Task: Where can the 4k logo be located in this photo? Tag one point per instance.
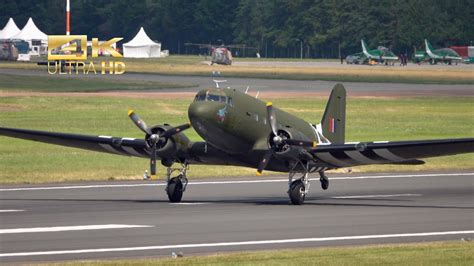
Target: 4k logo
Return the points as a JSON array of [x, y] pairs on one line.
[[74, 47]]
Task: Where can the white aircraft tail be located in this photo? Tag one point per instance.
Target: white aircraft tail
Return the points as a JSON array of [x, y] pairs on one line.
[[364, 49], [429, 49]]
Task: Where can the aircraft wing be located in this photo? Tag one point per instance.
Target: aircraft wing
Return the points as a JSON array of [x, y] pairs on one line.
[[107, 144], [389, 152], [195, 152]]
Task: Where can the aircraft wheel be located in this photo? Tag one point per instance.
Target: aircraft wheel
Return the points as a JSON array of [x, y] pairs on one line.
[[324, 183], [297, 192], [175, 189]]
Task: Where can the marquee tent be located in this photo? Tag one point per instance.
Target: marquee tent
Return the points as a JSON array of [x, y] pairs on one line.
[[9, 30], [30, 32], [141, 46], [37, 40]]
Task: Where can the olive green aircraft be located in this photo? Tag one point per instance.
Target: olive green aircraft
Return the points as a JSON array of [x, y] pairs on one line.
[[241, 130]]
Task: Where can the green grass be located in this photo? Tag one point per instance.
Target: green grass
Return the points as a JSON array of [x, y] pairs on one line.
[[78, 84], [367, 120], [435, 253]]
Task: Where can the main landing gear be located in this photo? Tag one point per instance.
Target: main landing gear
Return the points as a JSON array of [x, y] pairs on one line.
[[175, 186], [298, 188], [324, 180]]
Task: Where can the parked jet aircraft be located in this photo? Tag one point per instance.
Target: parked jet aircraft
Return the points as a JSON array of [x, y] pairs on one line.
[[381, 54], [444, 55], [241, 130]]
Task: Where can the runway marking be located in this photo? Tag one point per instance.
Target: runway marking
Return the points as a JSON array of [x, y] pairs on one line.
[[230, 182], [240, 243], [376, 196], [189, 203], [70, 228], [12, 211]]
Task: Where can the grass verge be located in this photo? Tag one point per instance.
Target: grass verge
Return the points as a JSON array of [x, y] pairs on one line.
[[10, 82], [367, 120], [192, 65], [433, 253]]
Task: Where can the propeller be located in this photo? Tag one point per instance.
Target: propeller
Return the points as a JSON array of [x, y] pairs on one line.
[[154, 139], [278, 140]]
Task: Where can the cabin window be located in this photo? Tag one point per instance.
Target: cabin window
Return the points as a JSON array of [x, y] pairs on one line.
[[230, 102]]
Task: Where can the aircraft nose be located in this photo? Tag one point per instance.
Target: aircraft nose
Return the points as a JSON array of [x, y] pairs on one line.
[[206, 114], [200, 112], [197, 111]]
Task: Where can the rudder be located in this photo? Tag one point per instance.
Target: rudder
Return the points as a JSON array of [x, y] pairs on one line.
[[334, 119]]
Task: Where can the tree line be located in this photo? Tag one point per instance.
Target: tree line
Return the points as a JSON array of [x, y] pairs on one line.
[[275, 28]]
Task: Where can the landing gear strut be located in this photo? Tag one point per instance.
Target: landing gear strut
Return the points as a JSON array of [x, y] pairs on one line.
[[175, 186], [297, 189]]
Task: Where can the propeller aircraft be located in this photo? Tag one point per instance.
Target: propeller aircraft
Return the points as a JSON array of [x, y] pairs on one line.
[[241, 130]]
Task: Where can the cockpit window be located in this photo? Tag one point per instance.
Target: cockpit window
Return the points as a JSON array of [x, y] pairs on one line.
[[213, 98], [200, 98]]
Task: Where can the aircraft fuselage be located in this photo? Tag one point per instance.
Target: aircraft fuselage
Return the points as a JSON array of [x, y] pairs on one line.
[[236, 123]]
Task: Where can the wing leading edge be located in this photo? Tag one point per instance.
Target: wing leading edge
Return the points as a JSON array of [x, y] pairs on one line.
[[107, 144], [394, 152]]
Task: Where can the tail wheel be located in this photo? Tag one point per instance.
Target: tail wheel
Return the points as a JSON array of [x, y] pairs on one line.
[[297, 192], [175, 189]]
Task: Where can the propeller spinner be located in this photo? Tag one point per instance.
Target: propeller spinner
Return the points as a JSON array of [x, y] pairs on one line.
[[278, 140], [154, 139]]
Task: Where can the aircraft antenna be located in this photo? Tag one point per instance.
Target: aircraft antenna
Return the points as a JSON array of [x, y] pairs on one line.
[[256, 96], [247, 90], [219, 81]]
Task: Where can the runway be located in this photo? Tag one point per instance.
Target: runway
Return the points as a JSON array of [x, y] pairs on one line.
[[134, 219]]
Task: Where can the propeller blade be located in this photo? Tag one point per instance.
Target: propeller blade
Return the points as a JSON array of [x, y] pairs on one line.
[[301, 143], [271, 118], [139, 122], [264, 162], [153, 162], [170, 132]]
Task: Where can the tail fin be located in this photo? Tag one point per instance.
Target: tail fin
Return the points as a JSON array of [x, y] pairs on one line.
[[334, 119], [364, 48], [428, 48]]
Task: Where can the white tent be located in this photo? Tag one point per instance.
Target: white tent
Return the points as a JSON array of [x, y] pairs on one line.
[[37, 40], [9, 30], [141, 46], [30, 32]]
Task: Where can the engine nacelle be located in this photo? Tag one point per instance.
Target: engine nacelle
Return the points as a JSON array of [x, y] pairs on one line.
[[285, 150], [171, 147]]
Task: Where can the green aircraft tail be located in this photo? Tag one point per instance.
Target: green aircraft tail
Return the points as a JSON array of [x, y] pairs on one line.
[[333, 123]]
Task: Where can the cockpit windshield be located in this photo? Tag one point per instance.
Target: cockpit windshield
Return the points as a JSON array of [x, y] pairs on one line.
[[209, 97]]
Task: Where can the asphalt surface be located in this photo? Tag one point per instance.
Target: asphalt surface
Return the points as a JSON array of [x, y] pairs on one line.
[[224, 216], [280, 85]]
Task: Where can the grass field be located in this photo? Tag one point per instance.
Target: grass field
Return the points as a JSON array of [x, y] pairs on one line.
[[435, 253], [192, 65], [73, 84], [368, 119]]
